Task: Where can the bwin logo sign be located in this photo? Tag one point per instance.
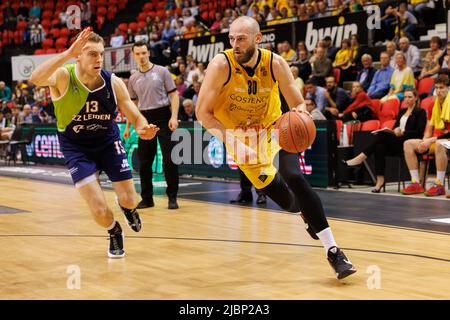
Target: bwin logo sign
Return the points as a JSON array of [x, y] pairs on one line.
[[205, 52], [337, 33]]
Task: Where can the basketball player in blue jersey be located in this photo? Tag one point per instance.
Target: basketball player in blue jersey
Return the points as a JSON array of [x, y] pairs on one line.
[[86, 99]]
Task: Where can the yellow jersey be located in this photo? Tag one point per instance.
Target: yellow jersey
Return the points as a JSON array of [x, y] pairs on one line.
[[249, 101], [248, 105]]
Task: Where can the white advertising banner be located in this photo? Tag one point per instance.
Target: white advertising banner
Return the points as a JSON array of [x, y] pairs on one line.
[[23, 66], [119, 59]]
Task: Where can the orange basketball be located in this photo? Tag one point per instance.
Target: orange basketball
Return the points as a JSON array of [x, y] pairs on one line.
[[297, 131]]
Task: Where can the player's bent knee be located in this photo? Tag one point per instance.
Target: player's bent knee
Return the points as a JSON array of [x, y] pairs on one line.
[[128, 200]]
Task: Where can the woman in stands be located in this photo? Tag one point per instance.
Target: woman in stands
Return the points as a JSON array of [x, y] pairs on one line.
[[361, 108], [402, 79], [431, 64], [410, 124]]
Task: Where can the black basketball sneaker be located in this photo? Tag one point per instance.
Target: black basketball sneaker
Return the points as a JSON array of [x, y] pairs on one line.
[[131, 218], [340, 263], [116, 242]]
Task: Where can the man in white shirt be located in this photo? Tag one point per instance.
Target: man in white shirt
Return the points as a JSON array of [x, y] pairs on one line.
[[411, 53]]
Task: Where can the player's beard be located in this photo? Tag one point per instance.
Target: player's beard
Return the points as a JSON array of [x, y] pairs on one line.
[[246, 55]]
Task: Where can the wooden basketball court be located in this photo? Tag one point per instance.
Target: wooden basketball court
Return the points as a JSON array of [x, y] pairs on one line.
[[203, 251]]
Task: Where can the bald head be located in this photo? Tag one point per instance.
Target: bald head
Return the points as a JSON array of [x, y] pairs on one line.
[[246, 25], [244, 37]]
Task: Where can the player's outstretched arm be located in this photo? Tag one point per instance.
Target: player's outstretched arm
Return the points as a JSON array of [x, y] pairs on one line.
[[50, 72], [143, 129], [215, 77], [287, 84]]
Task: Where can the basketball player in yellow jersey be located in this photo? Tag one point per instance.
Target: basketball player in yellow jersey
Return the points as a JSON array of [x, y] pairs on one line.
[[240, 93]]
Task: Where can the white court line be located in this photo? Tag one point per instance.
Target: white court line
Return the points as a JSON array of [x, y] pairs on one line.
[[443, 220]]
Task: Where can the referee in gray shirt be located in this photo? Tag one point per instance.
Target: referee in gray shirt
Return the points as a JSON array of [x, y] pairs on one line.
[[158, 101]]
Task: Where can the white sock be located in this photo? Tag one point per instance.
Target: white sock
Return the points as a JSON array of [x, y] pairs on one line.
[[440, 177], [414, 175], [326, 236], [112, 225]]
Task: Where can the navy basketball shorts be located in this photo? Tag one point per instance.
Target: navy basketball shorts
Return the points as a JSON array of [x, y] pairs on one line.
[[86, 163]]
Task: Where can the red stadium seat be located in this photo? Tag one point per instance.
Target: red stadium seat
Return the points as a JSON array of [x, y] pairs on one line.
[[55, 32], [49, 5], [338, 129], [142, 24], [102, 11], [133, 26], [425, 86], [376, 104], [388, 124], [46, 24], [50, 51], [370, 125], [112, 11], [21, 25], [389, 110], [428, 104], [47, 43], [123, 27], [148, 6], [47, 15], [61, 43], [65, 33], [39, 51]]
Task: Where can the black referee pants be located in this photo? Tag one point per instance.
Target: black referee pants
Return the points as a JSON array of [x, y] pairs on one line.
[[147, 151]]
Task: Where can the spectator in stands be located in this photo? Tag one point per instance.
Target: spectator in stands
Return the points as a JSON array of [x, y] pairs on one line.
[[316, 93], [411, 53], [141, 35], [430, 62], [298, 81], [402, 78], [196, 86], [445, 59], [35, 10], [25, 116], [321, 68], [365, 76], [23, 97], [117, 39], [35, 115], [344, 56], [379, 87], [23, 12], [129, 38], [154, 37], [5, 91], [361, 108], [408, 22], [86, 14], [273, 15], [15, 116], [338, 99], [188, 112], [37, 34], [322, 11], [9, 17], [391, 50], [331, 50], [288, 54], [410, 124], [417, 6], [215, 27], [181, 86], [437, 131], [6, 126], [313, 111]]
